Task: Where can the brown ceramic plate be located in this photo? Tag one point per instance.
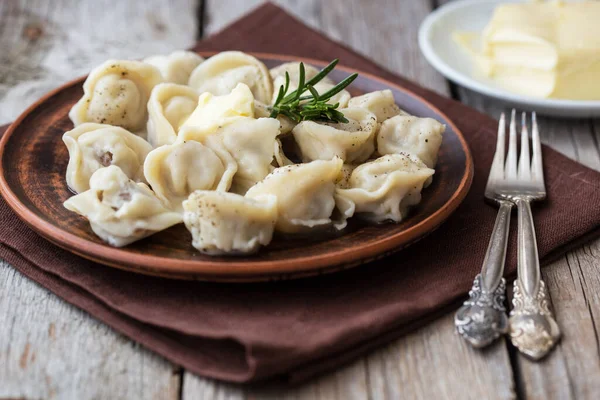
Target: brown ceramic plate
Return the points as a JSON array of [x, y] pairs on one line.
[[33, 161]]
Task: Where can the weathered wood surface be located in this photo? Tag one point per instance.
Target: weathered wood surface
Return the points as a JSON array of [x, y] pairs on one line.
[[49, 349], [48, 42]]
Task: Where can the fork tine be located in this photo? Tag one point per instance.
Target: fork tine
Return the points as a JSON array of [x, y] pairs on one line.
[[537, 168], [511, 159], [524, 171], [497, 169]]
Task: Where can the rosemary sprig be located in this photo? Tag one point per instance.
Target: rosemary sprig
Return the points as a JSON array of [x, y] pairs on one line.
[[313, 106]]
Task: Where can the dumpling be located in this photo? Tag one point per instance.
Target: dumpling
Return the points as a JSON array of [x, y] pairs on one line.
[[121, 211], [116, 93], [174, 171], [228, 223], [251, 142], [222, 72], [353, 142], [215, 143], [177, 66], [383, 189], [94, 146], [261, 110], [407, 134], [226, 122], [381, 103], [212, 110], [304, 194], [169, 107], [280, 157], [343, 180]]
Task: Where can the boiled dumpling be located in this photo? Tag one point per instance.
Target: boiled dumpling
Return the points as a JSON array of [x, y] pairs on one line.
[[226, 123], [93, 146], [251, 142], [121, 211], [215, 143], [261, 110], [222, 72], [353, 141], [280, 157], [383, 189], [116, 93], [406, 134], [169, 107], [381, 103], [174, 171], [304, 194], [228, 223], [177, 66], [343, 180]]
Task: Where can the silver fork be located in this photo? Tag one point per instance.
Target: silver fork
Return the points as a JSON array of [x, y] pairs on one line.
[[533, 329], [482, 318]]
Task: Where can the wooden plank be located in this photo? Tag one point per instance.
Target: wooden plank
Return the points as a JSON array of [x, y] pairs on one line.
[[348, 383], [48, 42], [424, 363], [49, 349], [387, 32], [435, 363]]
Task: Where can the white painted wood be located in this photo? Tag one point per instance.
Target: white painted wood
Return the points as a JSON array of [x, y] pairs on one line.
[[435, 363], [385, 29], [349, 383], [45, 43], [196, 388], [51, 350]]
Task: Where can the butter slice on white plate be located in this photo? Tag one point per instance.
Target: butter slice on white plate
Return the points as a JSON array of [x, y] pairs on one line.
[[535, 56], [549, 49]]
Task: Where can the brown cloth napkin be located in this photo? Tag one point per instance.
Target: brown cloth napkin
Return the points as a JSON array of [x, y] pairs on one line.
[[295, 329]]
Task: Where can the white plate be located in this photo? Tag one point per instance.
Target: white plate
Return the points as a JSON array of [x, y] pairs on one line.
[[438, 47]]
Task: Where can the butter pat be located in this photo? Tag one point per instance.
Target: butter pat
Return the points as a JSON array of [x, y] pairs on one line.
[[212, 109], [544, 49]]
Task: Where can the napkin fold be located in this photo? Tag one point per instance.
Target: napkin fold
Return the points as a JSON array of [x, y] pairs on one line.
[[296, 329]]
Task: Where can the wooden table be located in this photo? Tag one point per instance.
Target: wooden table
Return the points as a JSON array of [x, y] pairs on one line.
[[49, 349]]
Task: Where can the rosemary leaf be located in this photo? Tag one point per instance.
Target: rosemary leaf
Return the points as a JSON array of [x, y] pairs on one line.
[[338, 88], [313, 106]]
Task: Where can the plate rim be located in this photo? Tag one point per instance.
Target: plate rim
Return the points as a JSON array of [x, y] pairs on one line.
[[476, 85], [233, 270]]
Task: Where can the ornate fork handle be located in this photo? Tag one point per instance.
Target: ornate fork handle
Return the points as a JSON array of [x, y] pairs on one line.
[[482, 318], [533, 329]]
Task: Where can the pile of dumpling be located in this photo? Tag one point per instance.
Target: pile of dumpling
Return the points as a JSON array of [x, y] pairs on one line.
[[177, 138]]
